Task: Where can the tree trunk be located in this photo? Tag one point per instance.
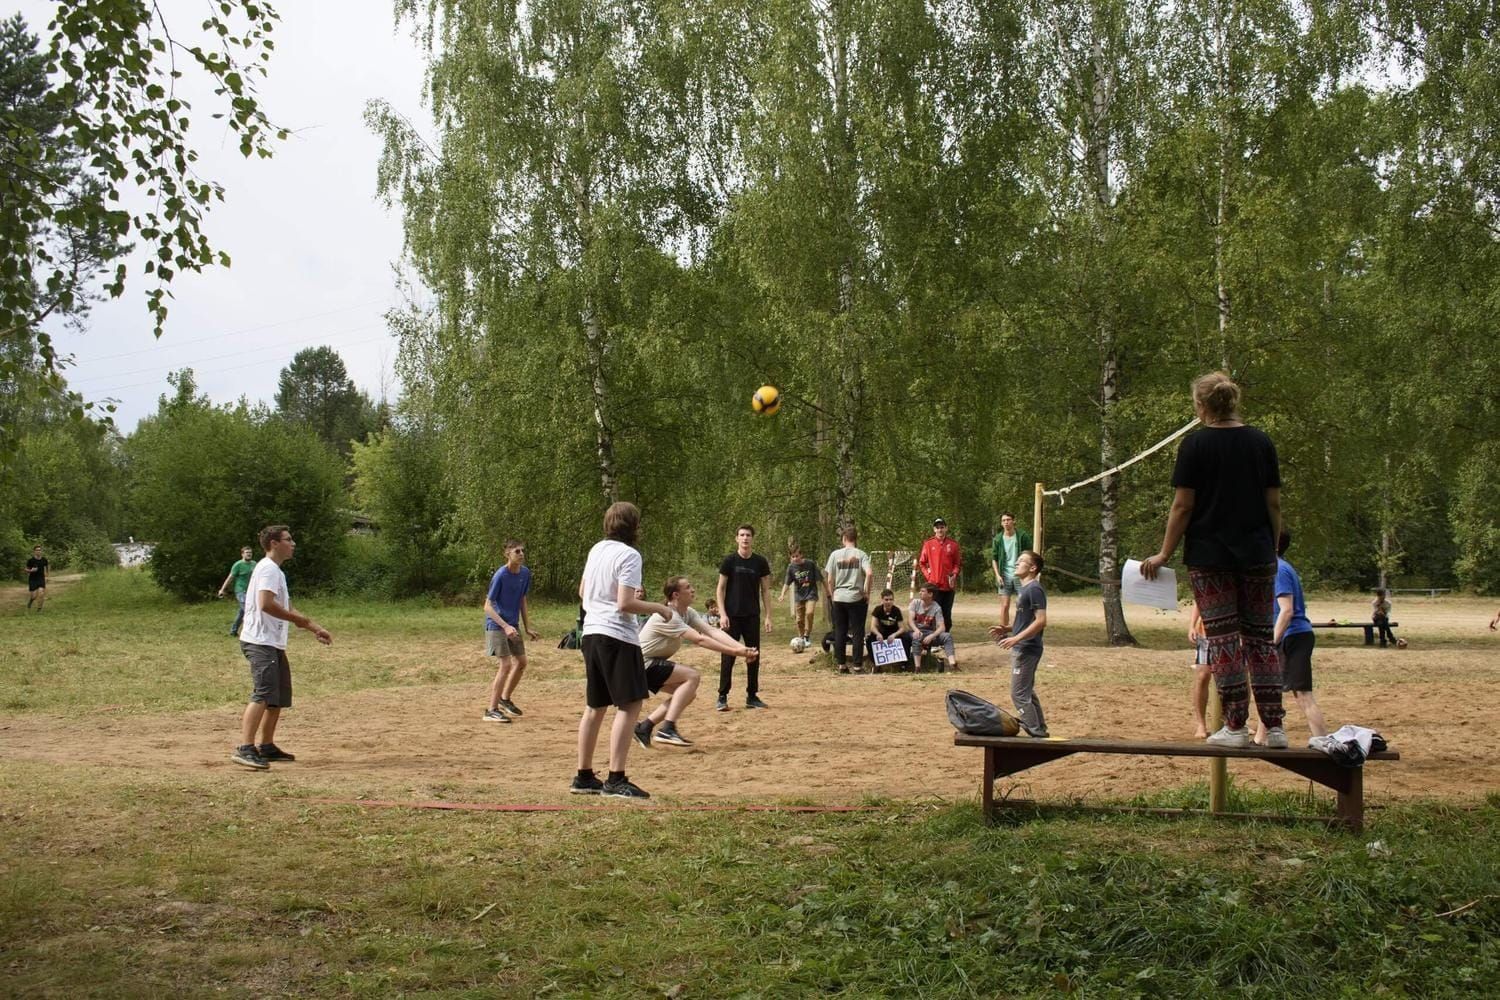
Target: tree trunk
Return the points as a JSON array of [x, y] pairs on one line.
[[1116, 631], [1221, 216], [850, 381], [596, 342]]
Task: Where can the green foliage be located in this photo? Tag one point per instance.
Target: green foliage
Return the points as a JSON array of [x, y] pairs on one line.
[[94, 122], [205, 480], [401, 479], [1476, 520], [315, 389]]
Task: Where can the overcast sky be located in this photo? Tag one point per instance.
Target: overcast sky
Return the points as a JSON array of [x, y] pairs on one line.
[[312, 248]]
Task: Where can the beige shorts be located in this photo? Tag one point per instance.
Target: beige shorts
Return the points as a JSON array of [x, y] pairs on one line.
[[497, 643]]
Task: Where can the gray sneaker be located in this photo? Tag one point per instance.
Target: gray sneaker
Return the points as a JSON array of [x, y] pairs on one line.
[[1276, 738], [245, 756], [495, 715], [510, 707], [1227, 737]]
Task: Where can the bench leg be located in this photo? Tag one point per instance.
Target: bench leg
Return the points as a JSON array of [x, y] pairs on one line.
[[987, 790], [1351, 801], [1369, 635]]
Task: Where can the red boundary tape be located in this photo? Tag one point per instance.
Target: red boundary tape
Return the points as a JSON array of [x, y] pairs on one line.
[[540, 808]]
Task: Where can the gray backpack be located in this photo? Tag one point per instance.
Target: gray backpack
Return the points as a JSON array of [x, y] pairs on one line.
[[973, 716]]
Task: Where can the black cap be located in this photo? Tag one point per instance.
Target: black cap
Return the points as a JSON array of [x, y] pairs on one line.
[[937, 521]]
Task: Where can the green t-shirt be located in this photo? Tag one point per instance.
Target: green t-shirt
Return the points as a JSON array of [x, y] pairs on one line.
[[1006, 551], [240, 573]]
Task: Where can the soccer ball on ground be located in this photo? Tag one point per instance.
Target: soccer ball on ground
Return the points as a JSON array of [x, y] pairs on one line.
[[766, 401], [799, 644]]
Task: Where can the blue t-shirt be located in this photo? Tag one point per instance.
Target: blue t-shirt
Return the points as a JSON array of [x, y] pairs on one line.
[[1031, 600], [506, 591], [1289, 583]]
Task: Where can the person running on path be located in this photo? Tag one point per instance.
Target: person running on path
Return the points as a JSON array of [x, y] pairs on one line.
[[506, 613], [744, 590], [661, 638], [36, 578], [263, 638], [239, 576]]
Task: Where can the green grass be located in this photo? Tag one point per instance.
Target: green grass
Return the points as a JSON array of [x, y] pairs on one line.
[[123, 888], [124, 882]]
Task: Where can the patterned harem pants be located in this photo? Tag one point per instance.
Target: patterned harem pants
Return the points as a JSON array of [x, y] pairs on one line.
[[1239, 615]]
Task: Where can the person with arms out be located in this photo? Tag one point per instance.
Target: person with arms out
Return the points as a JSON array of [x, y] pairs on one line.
[[1200, 674], [1293, 635], [1227, 504], [929, 628], [661, 638], [940, 561], [846, 581], [36, 578], [1005, 549], [614, 670], [802, 575], [263, 638], [744, 589], [887, 622], [1025, 644], [506, 613], [239, 576]]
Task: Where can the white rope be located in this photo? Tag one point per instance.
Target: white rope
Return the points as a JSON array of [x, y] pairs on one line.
[[1062, 494]]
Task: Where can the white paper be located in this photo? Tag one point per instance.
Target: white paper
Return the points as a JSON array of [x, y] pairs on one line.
[[888, 652], [1158, 593]]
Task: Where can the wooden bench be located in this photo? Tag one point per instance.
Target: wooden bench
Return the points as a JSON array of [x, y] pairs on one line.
[[1369, 628], [1007, 755]]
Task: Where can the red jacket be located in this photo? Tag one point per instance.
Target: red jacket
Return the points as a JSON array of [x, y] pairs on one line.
[[940, 562]]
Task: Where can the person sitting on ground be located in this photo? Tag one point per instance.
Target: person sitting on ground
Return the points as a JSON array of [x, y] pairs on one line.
[[929, 628], [711, 612], [1293, 635], [886, 623], [1380, 614], [1025, 644], [661, 638]]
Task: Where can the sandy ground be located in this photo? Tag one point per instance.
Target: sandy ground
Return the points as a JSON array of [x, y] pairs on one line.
[[828, 738]]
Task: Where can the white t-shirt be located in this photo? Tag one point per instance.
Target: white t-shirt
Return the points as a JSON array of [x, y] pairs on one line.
[[610, 564], [258, 627], [845, 571], [661, 639]]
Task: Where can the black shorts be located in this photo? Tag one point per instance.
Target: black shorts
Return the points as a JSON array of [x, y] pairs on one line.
[[658, 672], [1296, 661], [35, 585], [614, 671]]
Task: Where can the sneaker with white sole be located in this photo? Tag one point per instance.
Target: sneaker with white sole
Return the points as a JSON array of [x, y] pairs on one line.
[[643, 733], [722, 705], [623, 788], [668, 734], [1276, 738], [510, 707], [495, 715], [586, 784], [1227, 737], [246, 756]]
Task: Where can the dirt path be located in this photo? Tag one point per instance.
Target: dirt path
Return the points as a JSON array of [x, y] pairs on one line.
[[827, 738]]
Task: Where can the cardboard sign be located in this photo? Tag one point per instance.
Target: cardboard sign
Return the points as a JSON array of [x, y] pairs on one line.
[[888, 652]]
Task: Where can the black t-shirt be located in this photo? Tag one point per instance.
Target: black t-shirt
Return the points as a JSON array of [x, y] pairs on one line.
[[1229, 469], [742, 590], [805, 576], [36, 571], [887, 623]]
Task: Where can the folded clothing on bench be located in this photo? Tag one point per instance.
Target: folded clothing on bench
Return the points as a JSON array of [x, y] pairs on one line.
[[1349, 745]]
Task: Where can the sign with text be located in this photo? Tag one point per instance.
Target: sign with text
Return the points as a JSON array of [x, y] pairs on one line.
[[888, 652]]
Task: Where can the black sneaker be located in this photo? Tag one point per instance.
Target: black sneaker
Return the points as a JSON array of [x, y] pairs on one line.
[[495, 715], [270, 751], [722, 705], [624, 788], [586, 784], [754, 702], [668, 734], [510, 707], [643, 734], [246, 756]]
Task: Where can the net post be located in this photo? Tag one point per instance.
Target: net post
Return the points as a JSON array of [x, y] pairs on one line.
[[1036, 521]]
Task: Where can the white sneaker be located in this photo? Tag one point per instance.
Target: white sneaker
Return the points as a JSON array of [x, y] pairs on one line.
[[1276, 738], [1227, 737]]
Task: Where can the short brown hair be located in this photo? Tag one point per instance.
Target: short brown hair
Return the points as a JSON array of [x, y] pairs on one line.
[[673, 585], [622, 522], [849, 533], [272, 533], [746, 527], [1036, 559], [513, 543]]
